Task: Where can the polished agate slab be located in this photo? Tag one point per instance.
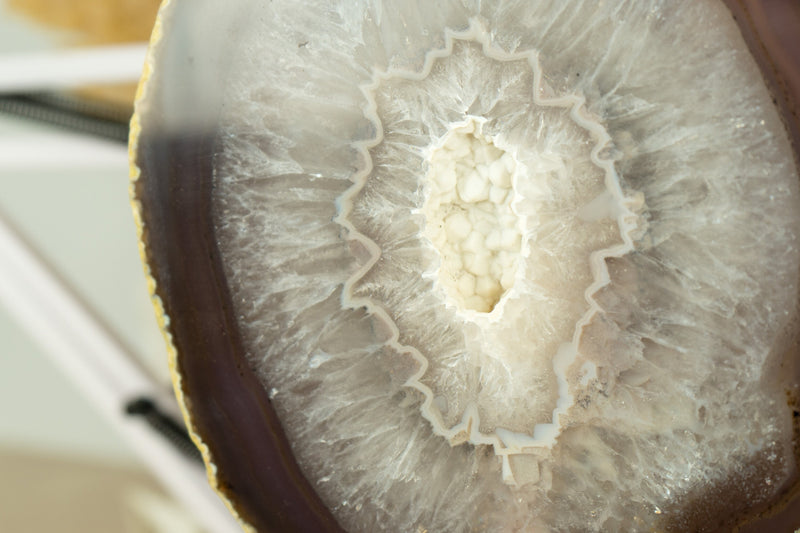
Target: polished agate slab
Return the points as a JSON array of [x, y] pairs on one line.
[[496, 267]]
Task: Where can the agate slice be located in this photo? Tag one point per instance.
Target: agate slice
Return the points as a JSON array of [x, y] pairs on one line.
[[479, 266]]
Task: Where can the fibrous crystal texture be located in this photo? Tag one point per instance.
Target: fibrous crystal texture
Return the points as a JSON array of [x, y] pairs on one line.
[[513, 266]]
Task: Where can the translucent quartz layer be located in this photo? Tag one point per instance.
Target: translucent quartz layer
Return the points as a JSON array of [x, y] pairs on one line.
[[628, 369]]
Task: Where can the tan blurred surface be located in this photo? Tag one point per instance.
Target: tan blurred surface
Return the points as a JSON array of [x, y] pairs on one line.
[[50, 493], [95, 22]]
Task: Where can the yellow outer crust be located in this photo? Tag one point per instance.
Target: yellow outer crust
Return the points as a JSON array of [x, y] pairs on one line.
[[161, 316]]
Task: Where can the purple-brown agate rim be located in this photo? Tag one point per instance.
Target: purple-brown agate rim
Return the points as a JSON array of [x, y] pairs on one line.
[[226, 406]]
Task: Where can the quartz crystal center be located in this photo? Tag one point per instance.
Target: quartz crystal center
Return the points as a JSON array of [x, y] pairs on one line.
[[493, 221], [469, 218]]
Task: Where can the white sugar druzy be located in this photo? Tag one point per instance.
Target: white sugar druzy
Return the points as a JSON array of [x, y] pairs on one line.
[[470, 220], [638, 259]]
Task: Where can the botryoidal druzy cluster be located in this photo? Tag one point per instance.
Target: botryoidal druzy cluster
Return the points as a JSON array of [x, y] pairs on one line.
[[513, 266]]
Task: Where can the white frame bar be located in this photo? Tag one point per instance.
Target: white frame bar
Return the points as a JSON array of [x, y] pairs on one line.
[[70, 68]]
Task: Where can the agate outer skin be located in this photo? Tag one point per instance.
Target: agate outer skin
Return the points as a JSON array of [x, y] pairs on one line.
[[633, 366]]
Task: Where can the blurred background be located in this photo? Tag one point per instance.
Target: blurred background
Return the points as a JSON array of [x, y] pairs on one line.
[[79, 343]]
